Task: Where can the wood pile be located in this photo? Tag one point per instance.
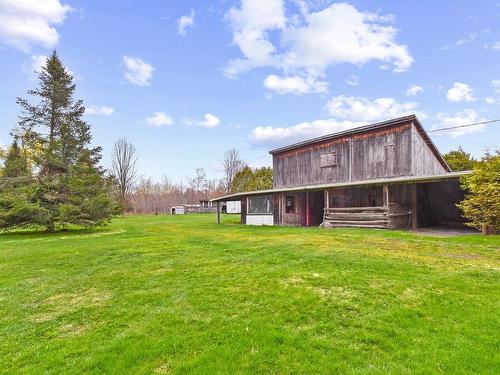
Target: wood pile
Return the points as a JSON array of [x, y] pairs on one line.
[[382, 217]]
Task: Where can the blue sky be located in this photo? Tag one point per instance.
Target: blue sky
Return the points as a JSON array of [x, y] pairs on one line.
[[186, 80]]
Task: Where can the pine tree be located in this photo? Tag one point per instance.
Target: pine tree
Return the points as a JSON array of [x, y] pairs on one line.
[[17, 204], [16, 164], [459, 160], [69, 181]]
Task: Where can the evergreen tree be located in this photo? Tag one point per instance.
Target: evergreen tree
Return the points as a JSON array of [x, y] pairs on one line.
[[248, 179], [17, 206], [70, 187], [16, 164], [459, 160], [242, 180]]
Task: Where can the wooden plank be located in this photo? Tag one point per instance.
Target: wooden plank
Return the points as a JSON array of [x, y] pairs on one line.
[[218, 212], [385, 195], [413, 193], [307, 208]]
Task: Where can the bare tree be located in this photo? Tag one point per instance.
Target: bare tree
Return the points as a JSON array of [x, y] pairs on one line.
[[232, 164], [199, 182], [123, 170]]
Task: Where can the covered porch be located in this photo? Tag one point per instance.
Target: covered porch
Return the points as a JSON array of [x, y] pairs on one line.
[[394, 203]]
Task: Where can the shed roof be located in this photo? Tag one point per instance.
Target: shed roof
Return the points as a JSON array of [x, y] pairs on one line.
[[381, 181]]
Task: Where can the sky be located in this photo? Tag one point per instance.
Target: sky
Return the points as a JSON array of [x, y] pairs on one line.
[[186, 80]]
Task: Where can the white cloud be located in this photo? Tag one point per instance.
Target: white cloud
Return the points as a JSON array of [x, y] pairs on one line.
[[294, 85], [250, 24], [99, 110], [37, 62], [34, 65], [494, 46], [363, 109], [346, 112], [209, 121], [307, 43], [276, 136], [342, 34], [25, 23], [185, 22], [159, 119], [137, 71], [414, 90], [353, 80], [489, 100], [467, 39], [460, 92], [465, 117], [496, 85]]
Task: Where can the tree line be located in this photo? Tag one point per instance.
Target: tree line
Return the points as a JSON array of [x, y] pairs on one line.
[[143, 196]]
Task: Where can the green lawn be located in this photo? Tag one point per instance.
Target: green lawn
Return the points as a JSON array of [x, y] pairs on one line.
[[176, 295]]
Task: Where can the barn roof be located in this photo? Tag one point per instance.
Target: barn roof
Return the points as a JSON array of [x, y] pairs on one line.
[[361, 129], [380, 181]]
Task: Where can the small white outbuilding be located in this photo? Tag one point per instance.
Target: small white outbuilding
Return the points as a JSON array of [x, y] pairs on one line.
[[177, 210]]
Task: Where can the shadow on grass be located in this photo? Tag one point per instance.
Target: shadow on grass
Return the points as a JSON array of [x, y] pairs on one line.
[[41, 232]]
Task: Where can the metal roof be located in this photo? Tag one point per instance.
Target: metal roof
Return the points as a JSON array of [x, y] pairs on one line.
[[380, 181]]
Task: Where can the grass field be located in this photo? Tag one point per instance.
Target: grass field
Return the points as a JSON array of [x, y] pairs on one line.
[[172, 295]]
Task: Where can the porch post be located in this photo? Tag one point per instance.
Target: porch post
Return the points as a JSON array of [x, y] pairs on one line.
[[307, 208], [413, 198], [327, 202], [218, 212], [385, 194]]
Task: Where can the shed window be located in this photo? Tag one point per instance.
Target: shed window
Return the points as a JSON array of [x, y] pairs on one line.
[[262, 204], [290, 207], [328, 160]]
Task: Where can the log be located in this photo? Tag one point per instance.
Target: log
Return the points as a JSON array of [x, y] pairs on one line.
[[355, 215], [357, 209], [360, 222], [358, 226]]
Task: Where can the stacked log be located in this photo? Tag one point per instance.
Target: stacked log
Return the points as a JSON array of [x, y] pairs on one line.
[[360, 217]]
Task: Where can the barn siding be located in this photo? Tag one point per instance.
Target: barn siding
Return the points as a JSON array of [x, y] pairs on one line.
[[375, 154], [424, 161]]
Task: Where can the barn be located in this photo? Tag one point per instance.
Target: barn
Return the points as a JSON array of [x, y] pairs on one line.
[[385, 175]]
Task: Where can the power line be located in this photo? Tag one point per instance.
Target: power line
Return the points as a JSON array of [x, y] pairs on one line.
[[464, 126]]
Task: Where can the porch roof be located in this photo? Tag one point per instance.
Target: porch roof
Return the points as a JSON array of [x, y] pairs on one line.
[[379, 181]]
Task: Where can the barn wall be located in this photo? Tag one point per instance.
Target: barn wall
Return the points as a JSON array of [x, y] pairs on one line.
[[356, 197], [424, 161], [374, 154]]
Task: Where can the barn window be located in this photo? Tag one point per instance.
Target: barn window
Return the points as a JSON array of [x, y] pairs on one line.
[[328, 160], [290, 204], [261, 204]]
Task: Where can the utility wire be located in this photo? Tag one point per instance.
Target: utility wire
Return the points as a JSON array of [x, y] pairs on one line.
[[464, 126]]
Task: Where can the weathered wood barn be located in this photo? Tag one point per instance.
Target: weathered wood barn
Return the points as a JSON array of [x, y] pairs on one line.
[[385, 175]]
